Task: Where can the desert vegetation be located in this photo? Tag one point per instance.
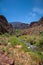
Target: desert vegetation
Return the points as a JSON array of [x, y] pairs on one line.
[[33, 39], [13, 48]]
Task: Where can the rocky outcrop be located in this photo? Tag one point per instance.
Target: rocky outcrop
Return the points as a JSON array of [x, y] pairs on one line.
[[37, 23], [5, 56], [5, 27], [40, 22], [32, 24], [4, 60]]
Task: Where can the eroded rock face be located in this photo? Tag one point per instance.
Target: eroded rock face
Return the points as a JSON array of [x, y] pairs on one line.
[[40, 21], [5, 27], [34, 24]]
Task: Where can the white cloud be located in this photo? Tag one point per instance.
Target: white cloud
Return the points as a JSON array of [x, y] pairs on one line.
[[33, 14], [30, 17], [38, 10]]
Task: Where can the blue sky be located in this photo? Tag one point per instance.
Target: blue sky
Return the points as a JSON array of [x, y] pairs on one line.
[[21, 10]]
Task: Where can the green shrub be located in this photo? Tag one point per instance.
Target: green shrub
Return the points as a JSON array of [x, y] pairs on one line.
[[41, 42], [13, 40], [41, 33], [6, 35], [3, 41], [5, 49], [39, 53], [34, 40]]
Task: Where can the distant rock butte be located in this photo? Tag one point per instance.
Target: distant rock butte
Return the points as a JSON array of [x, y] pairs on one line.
[[20, 25]]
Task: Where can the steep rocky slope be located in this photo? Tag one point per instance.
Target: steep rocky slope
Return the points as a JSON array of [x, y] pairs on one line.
[[34, 28], [5, 27]]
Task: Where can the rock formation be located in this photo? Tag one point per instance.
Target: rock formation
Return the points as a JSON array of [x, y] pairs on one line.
[[5, 27]]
